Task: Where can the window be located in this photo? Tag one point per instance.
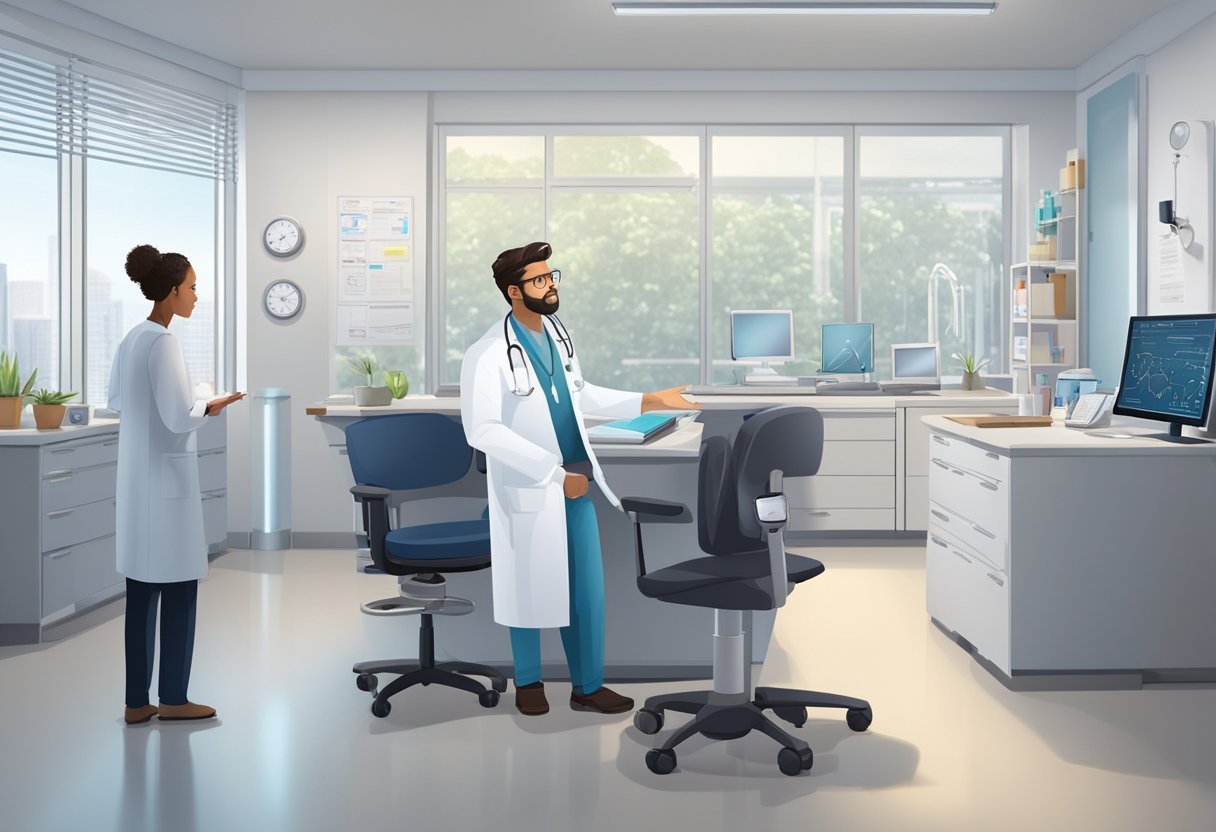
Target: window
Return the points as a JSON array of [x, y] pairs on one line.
[[927, 200]]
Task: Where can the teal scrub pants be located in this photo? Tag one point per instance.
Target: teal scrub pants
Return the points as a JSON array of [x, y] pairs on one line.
[[583, 637]]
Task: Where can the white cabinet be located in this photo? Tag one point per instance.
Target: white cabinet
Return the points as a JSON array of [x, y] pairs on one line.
[[855, 487], [213, 480]]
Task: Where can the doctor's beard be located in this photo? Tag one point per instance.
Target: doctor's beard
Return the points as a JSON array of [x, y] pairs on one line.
[[541, 305]]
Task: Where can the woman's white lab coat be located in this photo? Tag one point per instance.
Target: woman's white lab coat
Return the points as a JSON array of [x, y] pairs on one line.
[[527, 505], [159, 534]]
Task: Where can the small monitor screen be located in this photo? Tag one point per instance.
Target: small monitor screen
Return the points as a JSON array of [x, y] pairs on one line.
[[762, 334], [1167, 369], [914, 361], [848, 348]]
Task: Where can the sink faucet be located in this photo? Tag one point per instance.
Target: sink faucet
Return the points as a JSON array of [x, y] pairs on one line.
[[943, 272]]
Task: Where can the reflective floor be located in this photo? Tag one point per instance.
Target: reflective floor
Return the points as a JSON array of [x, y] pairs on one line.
[[296, 748]]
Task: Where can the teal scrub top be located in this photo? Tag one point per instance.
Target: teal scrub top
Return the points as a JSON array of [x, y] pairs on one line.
[[546, 358]]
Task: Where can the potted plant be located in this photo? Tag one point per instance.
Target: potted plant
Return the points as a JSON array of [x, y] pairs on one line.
[[367, 395], [12, 393], [397, 383], [49, 408], [972, 380]]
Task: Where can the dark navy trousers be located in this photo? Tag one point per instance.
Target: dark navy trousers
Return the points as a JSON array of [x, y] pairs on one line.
[[178, 604]]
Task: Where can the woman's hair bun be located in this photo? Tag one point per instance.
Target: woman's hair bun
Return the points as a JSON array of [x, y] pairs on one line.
[[142, 261]]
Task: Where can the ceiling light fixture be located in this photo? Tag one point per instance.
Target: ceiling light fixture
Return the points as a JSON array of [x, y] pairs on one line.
[[742, 7]]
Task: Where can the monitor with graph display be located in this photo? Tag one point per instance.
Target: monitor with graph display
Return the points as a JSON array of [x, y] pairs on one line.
[[848, 348], [1167, 370]]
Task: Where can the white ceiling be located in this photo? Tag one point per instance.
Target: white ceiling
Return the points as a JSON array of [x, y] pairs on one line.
[[585, 35]]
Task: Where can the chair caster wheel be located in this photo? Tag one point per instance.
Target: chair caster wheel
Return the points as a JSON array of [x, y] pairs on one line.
[[488, 698], [794, 715], [791, 762], [381, 708], [859, 719], [648, 721], [661, 760], [365, 681], [808, 759], [499, 685]]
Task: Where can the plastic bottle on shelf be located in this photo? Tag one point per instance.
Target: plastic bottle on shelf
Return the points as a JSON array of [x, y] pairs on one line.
[[1019, 299]]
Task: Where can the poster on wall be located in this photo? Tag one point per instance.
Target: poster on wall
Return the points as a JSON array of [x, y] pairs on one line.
[[375, 271]]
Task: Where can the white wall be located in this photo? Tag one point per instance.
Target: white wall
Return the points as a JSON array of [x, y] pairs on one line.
[[1180, 89], [303, 151]]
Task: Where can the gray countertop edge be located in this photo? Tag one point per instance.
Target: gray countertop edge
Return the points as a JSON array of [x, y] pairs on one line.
[[33, 436]]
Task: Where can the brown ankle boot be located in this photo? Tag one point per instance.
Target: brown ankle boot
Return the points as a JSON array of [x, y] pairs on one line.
[[137, 716], [187, 711], [603, 701], [530, 699]]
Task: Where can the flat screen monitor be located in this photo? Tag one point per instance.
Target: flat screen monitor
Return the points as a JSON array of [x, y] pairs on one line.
[[848, 348], [1167, 370], [915, 363], [762, 334]]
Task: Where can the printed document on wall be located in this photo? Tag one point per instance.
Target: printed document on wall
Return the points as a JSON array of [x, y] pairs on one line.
[[375, 324], [375, 270]]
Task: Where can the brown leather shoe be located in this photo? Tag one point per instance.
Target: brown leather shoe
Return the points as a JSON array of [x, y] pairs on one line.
[[137, 716], [602, 701], [530, 699], [187, 711]]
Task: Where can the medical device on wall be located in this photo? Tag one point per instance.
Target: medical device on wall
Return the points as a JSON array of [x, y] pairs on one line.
[[1167, 210], [1167, 371], [764, 335]]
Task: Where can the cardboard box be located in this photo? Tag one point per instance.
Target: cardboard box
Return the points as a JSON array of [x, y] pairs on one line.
[[1064, 297]]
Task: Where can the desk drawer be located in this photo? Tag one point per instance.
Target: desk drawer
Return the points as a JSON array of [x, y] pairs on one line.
[[842, 519], [974, 498], [968, 597], [984, 543], [213, 469], [70, 575], [858, 426], [858, 459], [69, 526], [840, 492], [85, 453], [970, 457], [215, 516], [70, 488], [917, 432]]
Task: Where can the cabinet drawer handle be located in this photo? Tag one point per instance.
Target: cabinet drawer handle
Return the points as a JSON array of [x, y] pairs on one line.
[[956, 471], [961, 556], [55, 515], [58, 555], [60, 476], [64, 451], [983, 531], [995, 579], [821, 514], [940, 441], [940, 464], [945, 518], [938, 541], [985, 484], [109, 444], [991, 455]]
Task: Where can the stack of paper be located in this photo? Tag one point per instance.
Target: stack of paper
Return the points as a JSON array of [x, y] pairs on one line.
[[633, 431]]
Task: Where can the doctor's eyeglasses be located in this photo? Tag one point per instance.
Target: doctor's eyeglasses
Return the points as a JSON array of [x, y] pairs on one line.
[[538, 282]]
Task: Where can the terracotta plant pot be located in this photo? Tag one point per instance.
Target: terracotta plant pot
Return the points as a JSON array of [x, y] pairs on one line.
[[49, 416], [10, 411], [973, 381]]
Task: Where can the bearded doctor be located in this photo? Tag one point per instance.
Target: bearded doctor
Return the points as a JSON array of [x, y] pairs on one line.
[[522, 402], [161, 545]]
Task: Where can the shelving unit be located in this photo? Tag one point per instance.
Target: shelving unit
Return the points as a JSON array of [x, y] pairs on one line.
[[1043, 328]]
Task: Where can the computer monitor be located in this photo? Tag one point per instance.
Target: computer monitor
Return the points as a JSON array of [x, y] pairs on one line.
[[848, 348], [915, 364], [1167, 370], [762, 335]]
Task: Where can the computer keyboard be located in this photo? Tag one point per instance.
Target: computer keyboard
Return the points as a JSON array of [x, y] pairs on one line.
[[832, 388]]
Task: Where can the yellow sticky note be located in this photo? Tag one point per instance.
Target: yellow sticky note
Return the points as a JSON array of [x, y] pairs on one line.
[[396, 251]]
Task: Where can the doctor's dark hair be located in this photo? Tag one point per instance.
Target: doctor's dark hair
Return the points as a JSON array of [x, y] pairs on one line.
[[510, 265], [157, 274]]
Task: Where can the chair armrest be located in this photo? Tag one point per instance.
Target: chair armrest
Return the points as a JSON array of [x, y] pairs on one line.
[[370, 492], [649, 510], [480, 459]]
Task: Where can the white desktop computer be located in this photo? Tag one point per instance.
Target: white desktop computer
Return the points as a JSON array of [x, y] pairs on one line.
[[764, 335]]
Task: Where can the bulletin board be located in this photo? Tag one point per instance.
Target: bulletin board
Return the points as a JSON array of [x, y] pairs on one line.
[[375, 271]]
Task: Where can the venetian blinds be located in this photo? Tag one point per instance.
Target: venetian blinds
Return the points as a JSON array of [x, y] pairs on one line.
[[81, 109]]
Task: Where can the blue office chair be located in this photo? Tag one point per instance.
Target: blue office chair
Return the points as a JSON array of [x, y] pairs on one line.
[[741, 517], [406, 452]]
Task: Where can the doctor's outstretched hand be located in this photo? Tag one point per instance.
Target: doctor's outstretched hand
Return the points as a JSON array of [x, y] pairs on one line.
[[216, 405], [669, 399]]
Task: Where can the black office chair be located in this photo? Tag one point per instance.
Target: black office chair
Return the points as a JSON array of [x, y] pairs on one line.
[[411, 451], [741, 516]]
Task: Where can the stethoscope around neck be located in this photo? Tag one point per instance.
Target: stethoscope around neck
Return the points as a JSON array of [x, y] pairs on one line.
[[563, 338]]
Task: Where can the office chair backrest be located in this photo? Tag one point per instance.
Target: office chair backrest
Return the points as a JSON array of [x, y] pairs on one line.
[[408, 450], [787, 439], [717, 523]]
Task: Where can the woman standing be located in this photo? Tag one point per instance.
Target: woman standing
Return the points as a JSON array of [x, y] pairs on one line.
[[162, 549]]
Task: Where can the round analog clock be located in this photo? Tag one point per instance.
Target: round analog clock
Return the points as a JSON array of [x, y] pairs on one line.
[[283, 237], [283, 300]]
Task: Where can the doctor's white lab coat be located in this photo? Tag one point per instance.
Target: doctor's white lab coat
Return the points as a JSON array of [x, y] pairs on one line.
[[159, 534], [531, 586]]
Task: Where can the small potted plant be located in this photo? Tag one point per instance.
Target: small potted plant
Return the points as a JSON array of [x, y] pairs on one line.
[[397, 383], [12, 393], [972, 380], [367, 395], [49, 408]]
